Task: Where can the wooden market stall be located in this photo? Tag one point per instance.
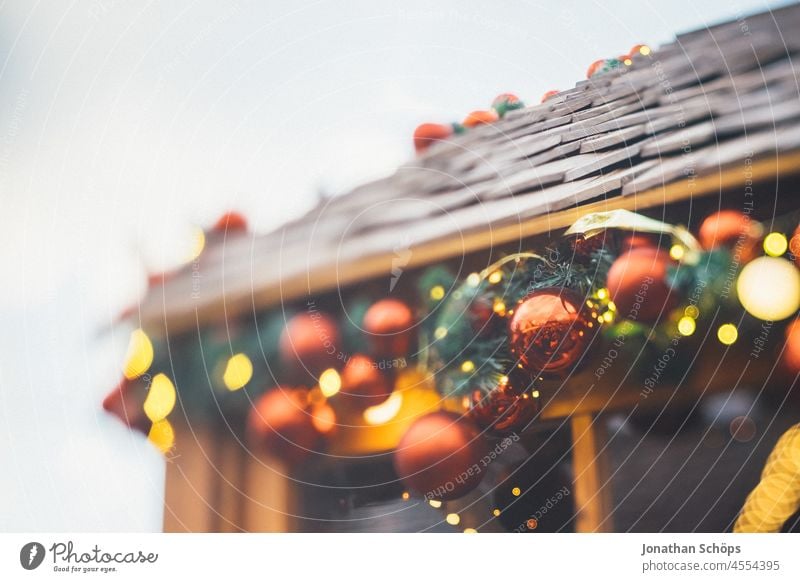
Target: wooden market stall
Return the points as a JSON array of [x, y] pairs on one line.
[[708, 121]]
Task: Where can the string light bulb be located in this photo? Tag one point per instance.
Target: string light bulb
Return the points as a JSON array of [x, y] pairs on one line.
[[437, 293], [686, 326], [677, 252], [769, 288], [140, 355], [330, 382], [453, 518], [238, 372], [160, 398], [162, 435], [727, 334], [775, 244]]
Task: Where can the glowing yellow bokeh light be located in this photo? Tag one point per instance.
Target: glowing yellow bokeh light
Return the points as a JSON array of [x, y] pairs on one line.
[[602, 293], [769, 288], [686, 325], [160, 398], [473, 280], [495, 277], [608, 316], [499, 307], [437, 293], [612, 306], [516, 492], [453, 518], [238, 372], [470, 530], [628, 62], [162, 435], [727, 334], [468, 367], [535, 394], [330, 382], [775, 244], [385, 411], [435, 503], [440, 333], [677, 252], [496, 512], [405, 495], [692, 311], [140, 355], [198, 243], [644, 50]]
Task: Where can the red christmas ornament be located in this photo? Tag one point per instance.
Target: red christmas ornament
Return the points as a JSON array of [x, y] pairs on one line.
[[310, 341], [791, 351], [282, 423], [390, 324], [639, 49], [438, 454], [549, 94], [363, 384], [637, 283], [126, 402], [794, 246], [550, 330], [594, 67], [476, 118], [510, 407], [732, 229], [505, 99], [230, 222], [428, 133]]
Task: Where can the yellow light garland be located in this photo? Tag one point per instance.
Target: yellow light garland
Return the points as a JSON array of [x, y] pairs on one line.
[[777, 496]]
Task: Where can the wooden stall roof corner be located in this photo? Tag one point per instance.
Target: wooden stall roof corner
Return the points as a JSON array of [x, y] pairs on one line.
[[700, 115]]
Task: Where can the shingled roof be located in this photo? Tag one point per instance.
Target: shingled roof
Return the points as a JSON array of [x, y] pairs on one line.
[[673, 125]]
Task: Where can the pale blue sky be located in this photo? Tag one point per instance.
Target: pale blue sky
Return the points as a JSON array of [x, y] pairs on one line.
[[121, 123]]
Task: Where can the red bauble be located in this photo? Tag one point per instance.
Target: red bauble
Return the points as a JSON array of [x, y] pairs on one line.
[[428, 133], [791, 351], [732, 229], [439, 456], [363, 384], [390, 324], [230, 222], [794, 246], [638, 286], [594, 67], [126, 402], [310, 341], [505, 99], [550, 330], [477, 118], [281, 422], [549, 94], [508, 408]]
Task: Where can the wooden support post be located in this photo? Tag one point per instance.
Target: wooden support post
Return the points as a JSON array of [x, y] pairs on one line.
[[268, 500], [593, 500], [190, 481]]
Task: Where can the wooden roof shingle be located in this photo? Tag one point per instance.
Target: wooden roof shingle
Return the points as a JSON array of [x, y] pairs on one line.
[[712, 99]]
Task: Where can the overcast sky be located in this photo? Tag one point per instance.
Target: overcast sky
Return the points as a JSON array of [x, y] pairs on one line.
[[123, 123]]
